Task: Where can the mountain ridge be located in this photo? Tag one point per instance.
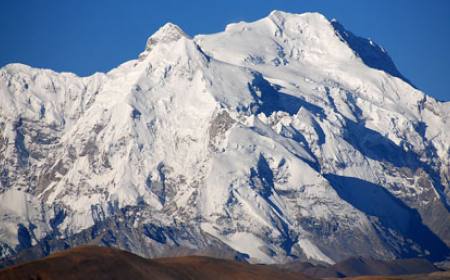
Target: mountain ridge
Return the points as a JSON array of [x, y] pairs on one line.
[[108, 263], [262, 150]]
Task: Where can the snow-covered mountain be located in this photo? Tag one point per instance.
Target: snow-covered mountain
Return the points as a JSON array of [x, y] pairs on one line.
[[281, 139]]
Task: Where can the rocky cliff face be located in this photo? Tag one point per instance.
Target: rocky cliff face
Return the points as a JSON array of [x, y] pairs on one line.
[[285, 138]]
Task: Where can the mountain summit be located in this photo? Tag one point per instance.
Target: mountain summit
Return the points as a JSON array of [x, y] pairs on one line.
[[166, 34], [287, 138]]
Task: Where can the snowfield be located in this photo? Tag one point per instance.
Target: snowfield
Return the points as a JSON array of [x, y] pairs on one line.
[[281, 139]]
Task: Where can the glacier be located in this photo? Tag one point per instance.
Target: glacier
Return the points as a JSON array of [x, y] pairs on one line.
[[288, 138]]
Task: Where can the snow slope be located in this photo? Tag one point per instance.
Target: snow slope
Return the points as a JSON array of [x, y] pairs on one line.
[[279, 139]]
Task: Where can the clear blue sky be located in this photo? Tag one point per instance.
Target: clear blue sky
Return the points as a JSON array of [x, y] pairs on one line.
[[97, 35]]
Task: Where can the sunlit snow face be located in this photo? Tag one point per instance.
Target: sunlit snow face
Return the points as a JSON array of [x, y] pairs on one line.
[[273, 139]]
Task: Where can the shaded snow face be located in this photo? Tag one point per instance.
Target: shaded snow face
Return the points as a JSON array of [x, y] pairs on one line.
[[282, 139]]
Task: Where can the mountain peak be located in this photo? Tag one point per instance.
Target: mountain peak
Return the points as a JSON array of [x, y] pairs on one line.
[[169, 32], [269, 142], [282, 16]]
